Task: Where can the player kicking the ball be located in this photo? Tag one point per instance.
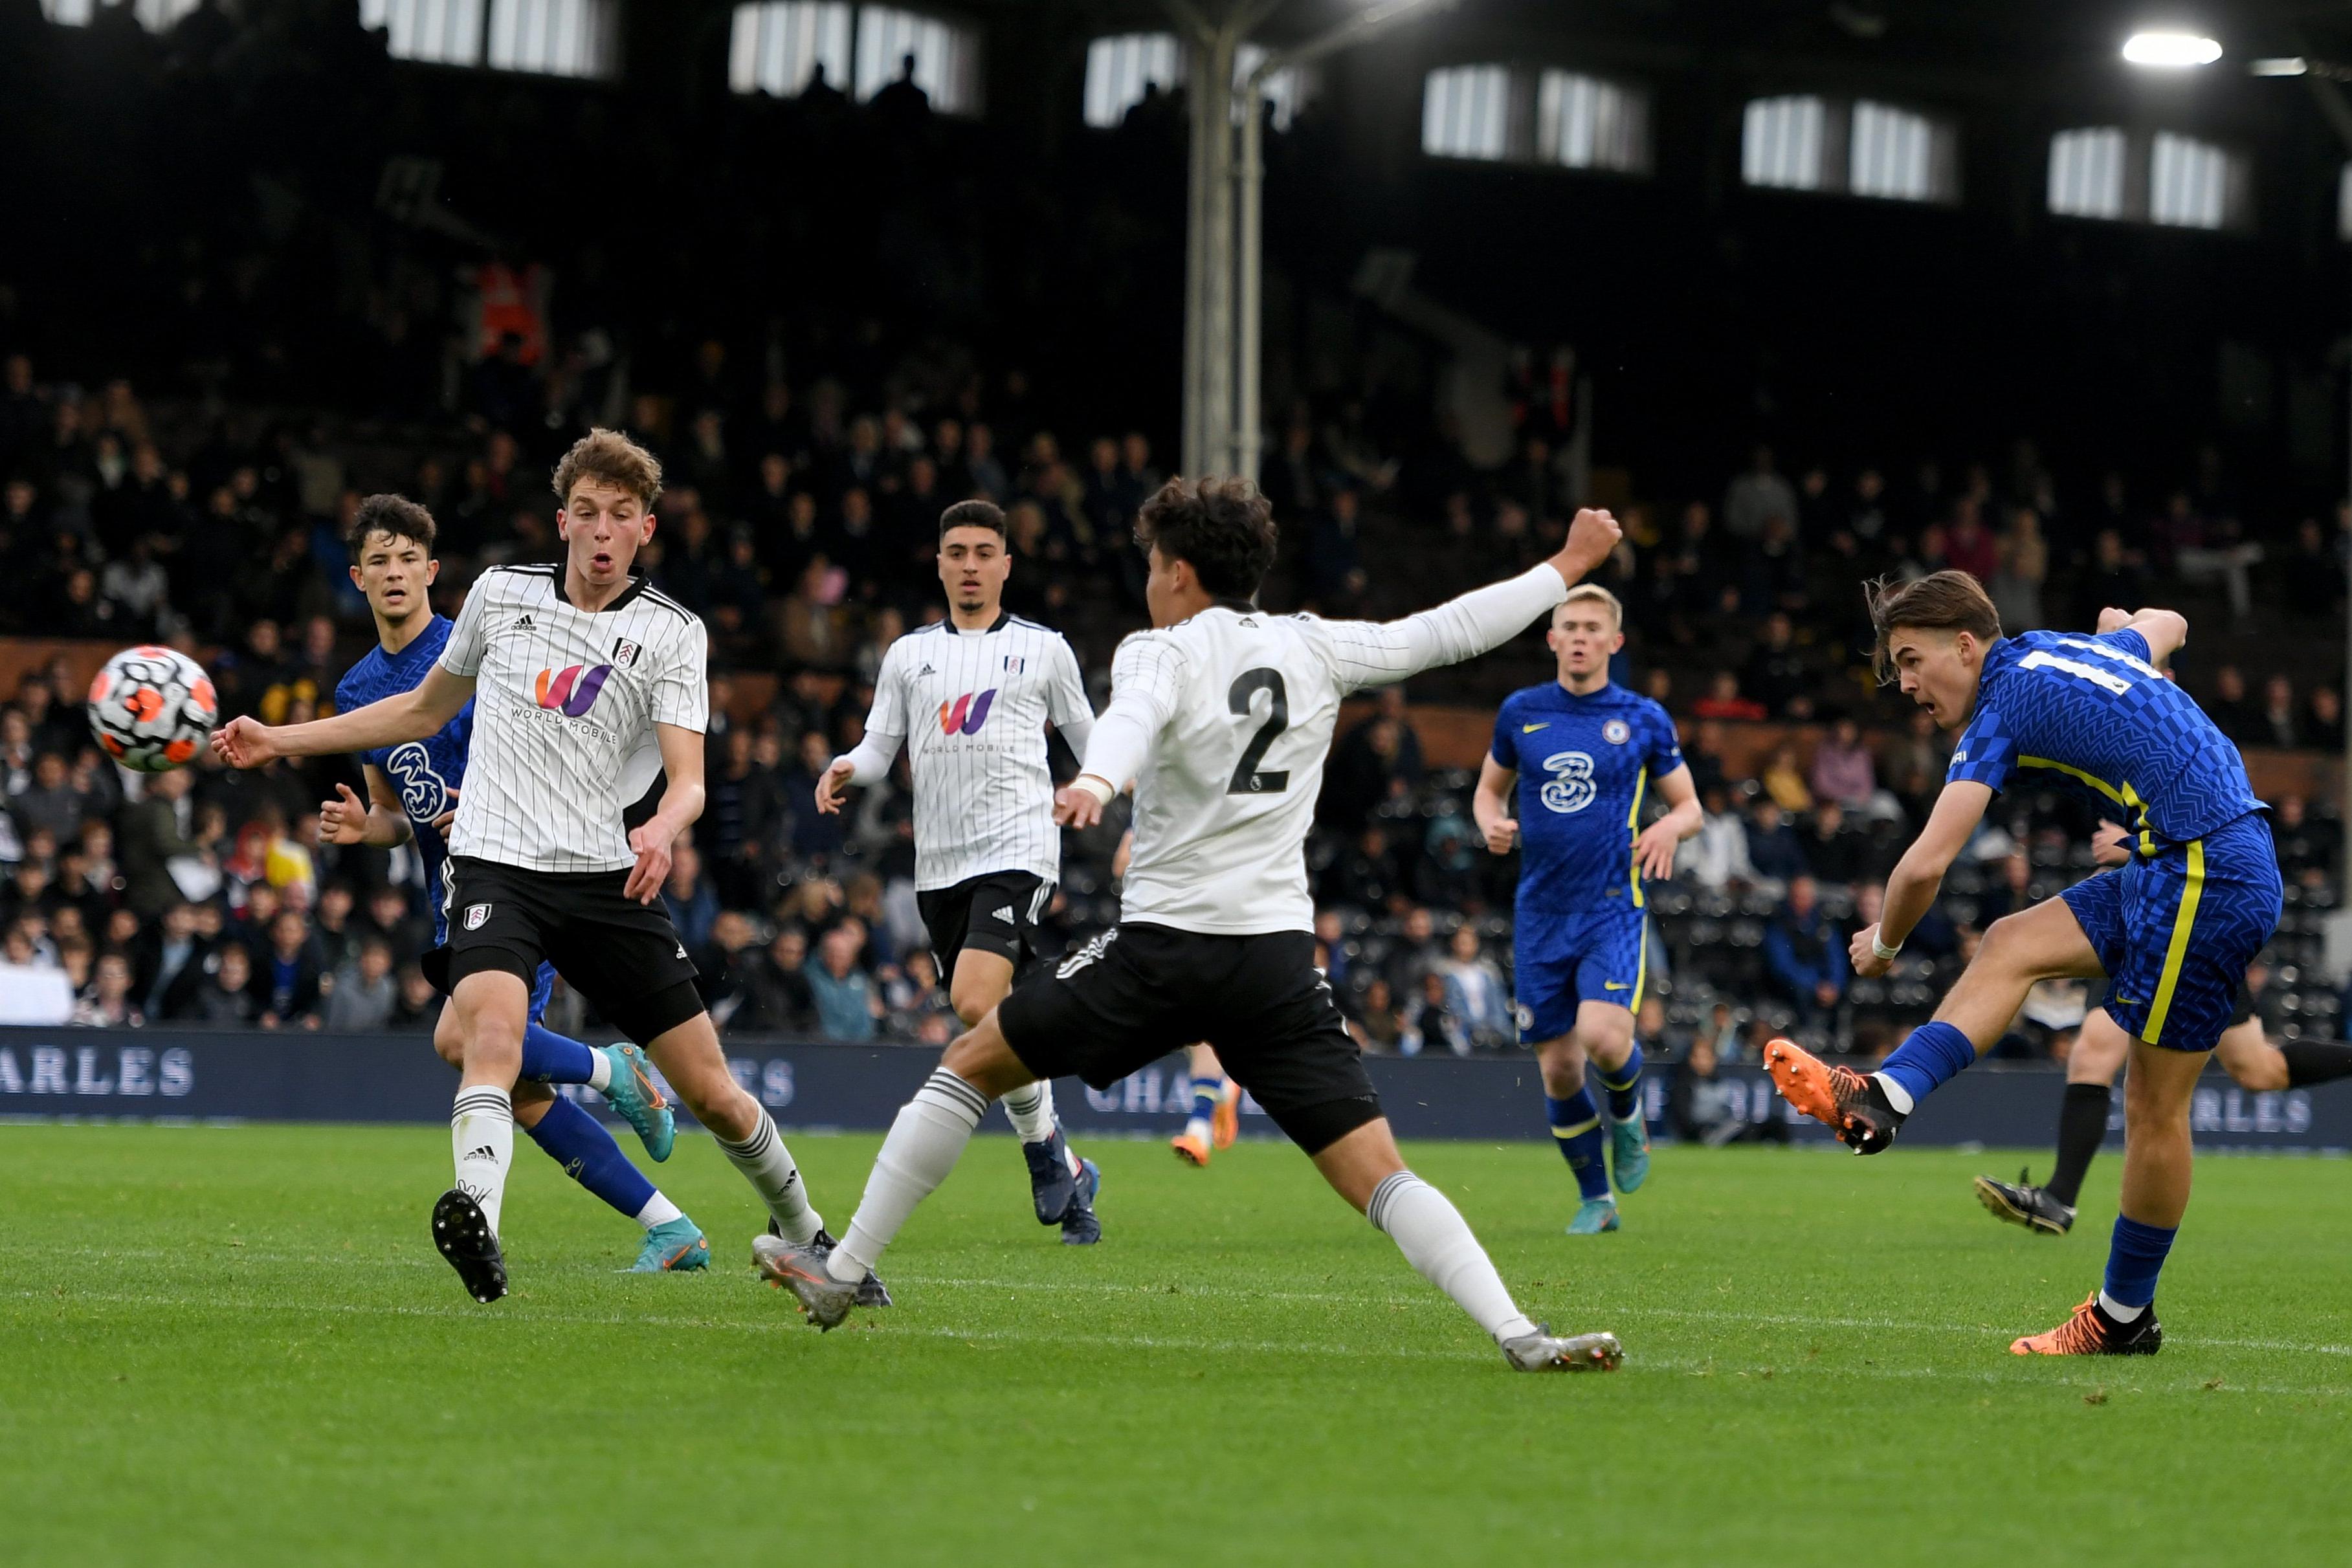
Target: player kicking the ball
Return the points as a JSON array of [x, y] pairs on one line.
[[1582, 751], [1222, 718], [578, 665], [413, 792], [2172, 931], [987, 854]]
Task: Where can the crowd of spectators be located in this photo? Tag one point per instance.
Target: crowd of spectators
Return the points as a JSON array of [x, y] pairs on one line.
[[799, 524]]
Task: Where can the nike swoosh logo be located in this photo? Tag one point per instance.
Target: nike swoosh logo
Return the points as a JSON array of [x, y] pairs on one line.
[[1615, 985], [1531, 728]]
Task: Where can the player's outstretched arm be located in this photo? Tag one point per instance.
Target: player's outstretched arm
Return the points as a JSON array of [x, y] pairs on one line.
[[1374, 653], [1920, 873], [2164, 631], [1147, 679], [1490, 805], [403, 717], [681, 804]]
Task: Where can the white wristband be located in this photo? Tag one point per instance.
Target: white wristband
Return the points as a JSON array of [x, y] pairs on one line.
[[1101, 788], [1885, 955]]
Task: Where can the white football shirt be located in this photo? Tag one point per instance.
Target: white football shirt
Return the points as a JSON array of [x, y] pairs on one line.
[[565, 701], [1223, 722], [971, 709]]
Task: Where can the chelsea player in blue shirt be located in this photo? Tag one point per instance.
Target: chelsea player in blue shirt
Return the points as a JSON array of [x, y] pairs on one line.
[[2173, 930], [1582, 753], [412, 792]]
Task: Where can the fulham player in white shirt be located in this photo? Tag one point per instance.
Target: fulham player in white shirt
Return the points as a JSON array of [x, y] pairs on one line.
[[1222, 717], [574, 669], [970, 698]]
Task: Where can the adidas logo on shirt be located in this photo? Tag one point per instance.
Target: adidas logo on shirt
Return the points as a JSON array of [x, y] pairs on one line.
[[522, 623], [1005, 914]]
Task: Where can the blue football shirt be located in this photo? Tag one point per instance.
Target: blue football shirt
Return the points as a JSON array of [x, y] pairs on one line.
[[2065, 705], [425, 771], [1583, 764]]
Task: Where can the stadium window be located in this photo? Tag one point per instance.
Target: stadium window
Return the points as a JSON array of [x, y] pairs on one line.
[[777, 45], [155, 16], [946, 56], [2086, 173], [1584, 123], [1898, 155], [555, 38], [434, 32], [2191, 184], [1466, 112], [1120, 69], [1784, 144]]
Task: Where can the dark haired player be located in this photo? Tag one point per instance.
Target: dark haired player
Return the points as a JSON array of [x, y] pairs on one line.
[[2172, 931], [1222, 715], [579, 666], [413, 790], [970, 698]]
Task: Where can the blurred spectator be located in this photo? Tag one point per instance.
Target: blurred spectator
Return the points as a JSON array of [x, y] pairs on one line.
[[1784, 782], [1376, 762], [1716, 855], [1723, 700], [1762, 492], [366, 993], [1835, 853], [287, 983], [2230, 709], [917, 1006], [692, 904], [107, 1003], [784, 1000], [1773, 847], [418, 1006], [2278, 726], [227, 996], [2322, 728], [1475, 995], [1804, 954], [1430, 1022], [847, 1003], [168, 963], [1379, 1027], [2016, 587], [1843, 769], [1776, 674]]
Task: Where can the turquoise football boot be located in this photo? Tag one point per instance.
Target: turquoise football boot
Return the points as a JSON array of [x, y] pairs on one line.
[[1593, 1215], [1629, 1153], [633, 1093], [673, 1247]]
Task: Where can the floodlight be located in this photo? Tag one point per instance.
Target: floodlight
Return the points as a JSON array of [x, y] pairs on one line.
[[2171, 50]]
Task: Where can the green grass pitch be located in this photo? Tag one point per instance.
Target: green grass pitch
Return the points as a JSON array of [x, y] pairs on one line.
[[237, 1345]]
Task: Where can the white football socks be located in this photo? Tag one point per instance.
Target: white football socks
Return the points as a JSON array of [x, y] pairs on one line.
[[768, 1166], [600, 1070], [1896, 1095], [2118, 1311], [925, 1142], [658, 1210], [1436, 1241], [481, 1139], [1030, 1109]]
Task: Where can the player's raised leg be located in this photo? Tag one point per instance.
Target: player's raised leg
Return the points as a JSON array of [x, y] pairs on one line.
[[2019, 951], [1215, 1119], [578, 1142], [490, 1005]]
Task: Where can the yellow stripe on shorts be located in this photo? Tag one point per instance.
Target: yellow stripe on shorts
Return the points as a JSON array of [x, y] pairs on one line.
[[2179, 950]]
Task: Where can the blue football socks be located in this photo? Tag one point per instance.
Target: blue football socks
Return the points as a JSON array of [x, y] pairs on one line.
[[1206, 1092], [1922, 1063], [1624, 1087], [1576, 1122], [2134, 1256], [550, 1057], [579, 1142]]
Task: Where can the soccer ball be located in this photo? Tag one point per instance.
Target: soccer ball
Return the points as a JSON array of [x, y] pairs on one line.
[[152, 708]]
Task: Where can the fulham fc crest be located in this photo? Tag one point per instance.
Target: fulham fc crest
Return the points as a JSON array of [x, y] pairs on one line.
[[1615, 732], [475, 915], [624, 653]]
